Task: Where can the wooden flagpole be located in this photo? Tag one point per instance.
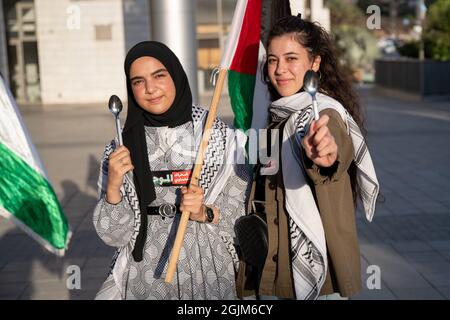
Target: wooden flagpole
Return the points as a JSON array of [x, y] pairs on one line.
[[173, 260]]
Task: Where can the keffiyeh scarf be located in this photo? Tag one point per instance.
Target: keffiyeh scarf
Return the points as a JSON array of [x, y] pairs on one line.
[[225, 148], [308, 246]]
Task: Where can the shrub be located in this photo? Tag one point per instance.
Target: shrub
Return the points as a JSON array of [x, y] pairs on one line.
[[437, 31]]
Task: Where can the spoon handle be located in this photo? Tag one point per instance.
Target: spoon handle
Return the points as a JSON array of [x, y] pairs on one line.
[[315, 109], [119, 132]]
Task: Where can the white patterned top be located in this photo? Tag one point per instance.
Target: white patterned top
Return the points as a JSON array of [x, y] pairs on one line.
[[206, 269]]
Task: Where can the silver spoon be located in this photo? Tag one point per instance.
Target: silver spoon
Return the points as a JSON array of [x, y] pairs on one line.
[[311, 83], [115, 106]]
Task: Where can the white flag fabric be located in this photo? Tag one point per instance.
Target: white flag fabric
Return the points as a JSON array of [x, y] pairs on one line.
[[26, 196]]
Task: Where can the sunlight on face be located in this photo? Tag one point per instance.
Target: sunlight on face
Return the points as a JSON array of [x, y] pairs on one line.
[[152, 85], [288, 62]]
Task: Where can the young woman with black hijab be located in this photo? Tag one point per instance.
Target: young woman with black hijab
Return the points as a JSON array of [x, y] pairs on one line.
[[143, 189]]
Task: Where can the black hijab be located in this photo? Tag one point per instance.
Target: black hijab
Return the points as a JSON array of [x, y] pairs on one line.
[[179, 113]]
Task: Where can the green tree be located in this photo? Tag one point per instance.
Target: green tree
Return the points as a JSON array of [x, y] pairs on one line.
[[343, 12], [437, 30], [358, 49], [356, 46]]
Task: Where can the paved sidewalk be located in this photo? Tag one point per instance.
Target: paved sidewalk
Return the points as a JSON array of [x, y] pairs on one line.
[[408, 241], [409, 238]]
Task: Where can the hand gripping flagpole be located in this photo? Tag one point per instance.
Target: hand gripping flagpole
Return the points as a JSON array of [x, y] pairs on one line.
[[173, 260]]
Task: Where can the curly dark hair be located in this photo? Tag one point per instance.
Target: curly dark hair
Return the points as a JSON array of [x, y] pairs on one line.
[[335, 82]]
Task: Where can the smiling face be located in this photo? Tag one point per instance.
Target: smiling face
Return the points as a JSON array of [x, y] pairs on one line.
[[152, 85], [287, 63]]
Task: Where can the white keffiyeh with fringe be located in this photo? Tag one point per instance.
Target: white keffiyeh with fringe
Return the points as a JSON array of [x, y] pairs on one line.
[[309, 258]]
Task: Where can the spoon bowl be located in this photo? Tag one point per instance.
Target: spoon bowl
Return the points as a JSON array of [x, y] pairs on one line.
[[115, 105], [311, 82]]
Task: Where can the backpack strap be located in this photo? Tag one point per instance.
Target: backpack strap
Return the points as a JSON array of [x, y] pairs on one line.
[[266, 197]]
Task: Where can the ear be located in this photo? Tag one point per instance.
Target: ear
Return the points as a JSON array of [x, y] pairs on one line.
[[316, 63]]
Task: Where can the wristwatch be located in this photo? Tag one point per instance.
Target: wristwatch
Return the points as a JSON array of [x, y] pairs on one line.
[[209, 212]]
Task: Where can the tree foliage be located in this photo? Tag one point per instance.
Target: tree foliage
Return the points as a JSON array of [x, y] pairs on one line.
[[356, 46], [437, 30]]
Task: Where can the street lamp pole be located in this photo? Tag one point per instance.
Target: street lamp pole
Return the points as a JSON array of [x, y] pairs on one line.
[[393, 16], [173, 23], [220, 25], [420, 11]]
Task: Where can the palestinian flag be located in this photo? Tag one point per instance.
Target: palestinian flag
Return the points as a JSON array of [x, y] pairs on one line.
[[26, 196], [244, 58], [241, 60]]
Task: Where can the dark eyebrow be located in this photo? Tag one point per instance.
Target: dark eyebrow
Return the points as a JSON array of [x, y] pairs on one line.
[[136, 78], [159, 70], [153, 73], [286, 54]]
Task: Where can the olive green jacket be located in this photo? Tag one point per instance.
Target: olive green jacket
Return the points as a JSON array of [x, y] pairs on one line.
[[333, 194], [332, 190]]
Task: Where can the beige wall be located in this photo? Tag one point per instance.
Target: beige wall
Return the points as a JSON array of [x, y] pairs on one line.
[[3, 46], [75, 67]]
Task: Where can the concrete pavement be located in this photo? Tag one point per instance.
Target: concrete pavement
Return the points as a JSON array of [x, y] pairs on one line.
[[407, 244]]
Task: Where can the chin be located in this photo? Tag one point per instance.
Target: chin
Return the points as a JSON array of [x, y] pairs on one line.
[[286, 93], [157, 110]]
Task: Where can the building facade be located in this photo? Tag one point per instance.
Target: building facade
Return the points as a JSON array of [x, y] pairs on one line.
[[67, 51], [72, 51]]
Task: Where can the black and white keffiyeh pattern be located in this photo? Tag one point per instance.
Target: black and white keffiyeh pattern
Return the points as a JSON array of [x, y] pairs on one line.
[[307, 235], [217, 166]]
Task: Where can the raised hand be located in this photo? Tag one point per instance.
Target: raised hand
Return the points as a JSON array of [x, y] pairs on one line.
[[192, 200], [119, 164], [319, 143]]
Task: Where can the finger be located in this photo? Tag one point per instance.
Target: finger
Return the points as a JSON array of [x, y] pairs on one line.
[[119, 152], [185, 209], [193, 197], [116, 159], [323, 121], [307, 141], [184, 190], [323, 143], [122, 148], [314, 154], [126, 169], [119, 163], [331, 149], [188, 196], [126, 159], [320, 134], [307, 147], [192, 205], [195, 189], [312, 129]]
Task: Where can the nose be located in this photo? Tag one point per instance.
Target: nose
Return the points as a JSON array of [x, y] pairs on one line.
[[149, 87], [281, 67]]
